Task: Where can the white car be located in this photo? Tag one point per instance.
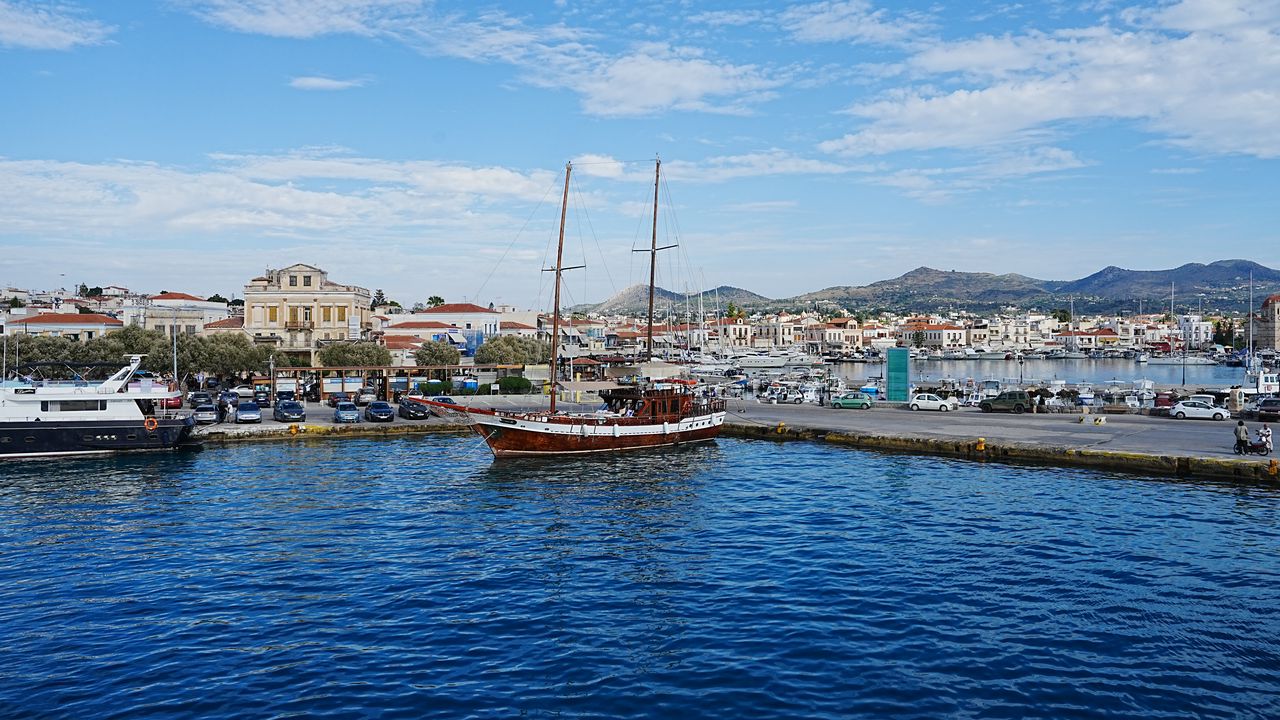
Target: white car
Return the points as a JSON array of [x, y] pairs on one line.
[[1198, 409], [929, 401]]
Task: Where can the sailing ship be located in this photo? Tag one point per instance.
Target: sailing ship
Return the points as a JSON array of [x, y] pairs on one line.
[[648, 413], [40, 418]]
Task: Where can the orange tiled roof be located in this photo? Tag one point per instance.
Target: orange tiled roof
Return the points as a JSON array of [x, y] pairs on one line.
[[68, 319]]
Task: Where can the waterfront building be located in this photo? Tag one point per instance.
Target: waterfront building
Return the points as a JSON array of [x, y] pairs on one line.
[[81, 327], [1195, 331], [1266, 325], [173, 312], [472, 323], [298, 310]]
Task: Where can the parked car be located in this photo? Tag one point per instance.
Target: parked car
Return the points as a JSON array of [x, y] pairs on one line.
[[1268, 409], [289, 411], [364, 396], [205, 414], [346, 412], [413, 410], [243, 391], [929, 401], [1198, 409], [262, 398], [859, 400], [1014, 401], [199, 398], [380, 411], [247, 412], [335, 399], [172, 403], [282, 395]]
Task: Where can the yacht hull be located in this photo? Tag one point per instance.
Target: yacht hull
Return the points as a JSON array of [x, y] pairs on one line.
[[57, 438]]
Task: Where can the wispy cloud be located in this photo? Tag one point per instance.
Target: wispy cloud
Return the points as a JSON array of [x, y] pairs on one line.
[[848, 21], [303, 18], [1201, 74], [48, 26], [313, 82]]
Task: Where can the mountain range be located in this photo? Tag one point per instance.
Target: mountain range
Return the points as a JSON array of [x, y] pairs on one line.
[[1222, 286]]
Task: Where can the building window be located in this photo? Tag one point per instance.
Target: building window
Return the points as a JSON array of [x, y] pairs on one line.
[[326, 336], [342, 336], [293, 281], [293, 314], [306, 280], [191, 329], [326, 314], [342, 314]]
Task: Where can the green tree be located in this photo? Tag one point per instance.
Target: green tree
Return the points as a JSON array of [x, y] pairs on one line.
[[378, 299], [1061, 315], [354, 354], [85, 310], [436, 352], [16, 303], [232, 354], [94, 292], [236, 302], [917, 338], [513, 350], [83, 290], [217, 298], [435, 301], [731, 310]]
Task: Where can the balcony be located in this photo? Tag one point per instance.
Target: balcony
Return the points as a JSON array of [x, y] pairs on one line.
[[299, 325]]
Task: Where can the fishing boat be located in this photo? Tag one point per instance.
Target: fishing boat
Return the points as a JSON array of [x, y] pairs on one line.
[[645, 414], [53, 417]]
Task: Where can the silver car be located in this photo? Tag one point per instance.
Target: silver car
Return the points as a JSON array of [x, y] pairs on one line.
[[247, 412], [205, 414]]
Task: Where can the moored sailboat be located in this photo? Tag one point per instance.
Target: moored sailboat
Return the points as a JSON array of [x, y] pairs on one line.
[[649, 413]]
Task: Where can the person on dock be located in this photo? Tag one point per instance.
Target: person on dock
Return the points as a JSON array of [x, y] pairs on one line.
[[1264, 436], [1242, 436]]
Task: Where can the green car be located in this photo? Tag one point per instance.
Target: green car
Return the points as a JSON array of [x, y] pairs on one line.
[[859, 400]]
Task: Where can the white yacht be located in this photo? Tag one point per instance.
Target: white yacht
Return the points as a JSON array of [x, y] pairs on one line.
[[80, 417]]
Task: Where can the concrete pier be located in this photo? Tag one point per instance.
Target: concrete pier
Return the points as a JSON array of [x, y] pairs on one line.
[[1157, 446]]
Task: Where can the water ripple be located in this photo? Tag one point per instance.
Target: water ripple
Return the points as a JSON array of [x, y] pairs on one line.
[[416, 578]]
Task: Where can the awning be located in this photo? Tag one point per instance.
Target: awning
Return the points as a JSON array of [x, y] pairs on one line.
[[455, 337], [588, 385]]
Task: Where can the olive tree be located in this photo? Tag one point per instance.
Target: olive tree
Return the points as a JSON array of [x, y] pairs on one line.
[[513, 350], [354, 354], [437, 352]]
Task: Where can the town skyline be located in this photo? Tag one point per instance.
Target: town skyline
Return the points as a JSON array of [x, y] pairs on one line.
[[406, 145]]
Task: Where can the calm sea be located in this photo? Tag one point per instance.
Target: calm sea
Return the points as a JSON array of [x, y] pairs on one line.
[[418, 578]]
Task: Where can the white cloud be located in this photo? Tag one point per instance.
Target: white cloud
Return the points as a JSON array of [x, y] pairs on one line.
[[303, 18], [313, 82], [47, 26], [1201, 74], [771, 163], [847, 20], [657, 78]]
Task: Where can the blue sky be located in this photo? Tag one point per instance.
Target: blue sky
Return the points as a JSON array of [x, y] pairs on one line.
[[415, 146]]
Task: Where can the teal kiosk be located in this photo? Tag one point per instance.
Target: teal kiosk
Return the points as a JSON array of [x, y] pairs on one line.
[[898, 375]]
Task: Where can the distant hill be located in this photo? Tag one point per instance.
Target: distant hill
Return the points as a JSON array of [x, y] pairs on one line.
[[1218, 286], [1215, 287], [635, 300]]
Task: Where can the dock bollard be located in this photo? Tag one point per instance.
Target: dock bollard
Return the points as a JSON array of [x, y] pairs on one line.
[[293, 429], [782, 427], [1273, 468], [982, 445]]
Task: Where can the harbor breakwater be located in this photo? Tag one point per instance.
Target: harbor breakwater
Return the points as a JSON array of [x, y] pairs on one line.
[[979, 444]]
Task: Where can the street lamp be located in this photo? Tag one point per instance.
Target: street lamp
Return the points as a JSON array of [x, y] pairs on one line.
[[1020, 362]]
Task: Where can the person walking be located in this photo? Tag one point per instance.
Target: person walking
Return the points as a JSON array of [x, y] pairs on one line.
[[1264, 436], [1242, 436]]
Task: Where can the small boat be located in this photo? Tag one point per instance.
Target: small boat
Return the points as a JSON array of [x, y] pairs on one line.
[[40, 418]]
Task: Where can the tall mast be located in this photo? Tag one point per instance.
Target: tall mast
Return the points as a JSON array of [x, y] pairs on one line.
[[555, 310], [653, 256]]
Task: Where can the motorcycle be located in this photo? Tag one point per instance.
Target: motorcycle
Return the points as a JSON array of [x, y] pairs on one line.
[[1253, 448]]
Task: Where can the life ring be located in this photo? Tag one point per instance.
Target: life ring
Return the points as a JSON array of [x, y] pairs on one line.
[[151, 424]]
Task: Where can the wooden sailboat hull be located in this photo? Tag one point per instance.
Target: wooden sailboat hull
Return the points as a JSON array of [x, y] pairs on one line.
[[533, 435]]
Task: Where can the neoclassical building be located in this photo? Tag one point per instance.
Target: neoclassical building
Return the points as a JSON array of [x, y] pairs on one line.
[[298, 309]]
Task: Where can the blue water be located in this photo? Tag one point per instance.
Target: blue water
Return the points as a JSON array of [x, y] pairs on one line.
[[417, 578]]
